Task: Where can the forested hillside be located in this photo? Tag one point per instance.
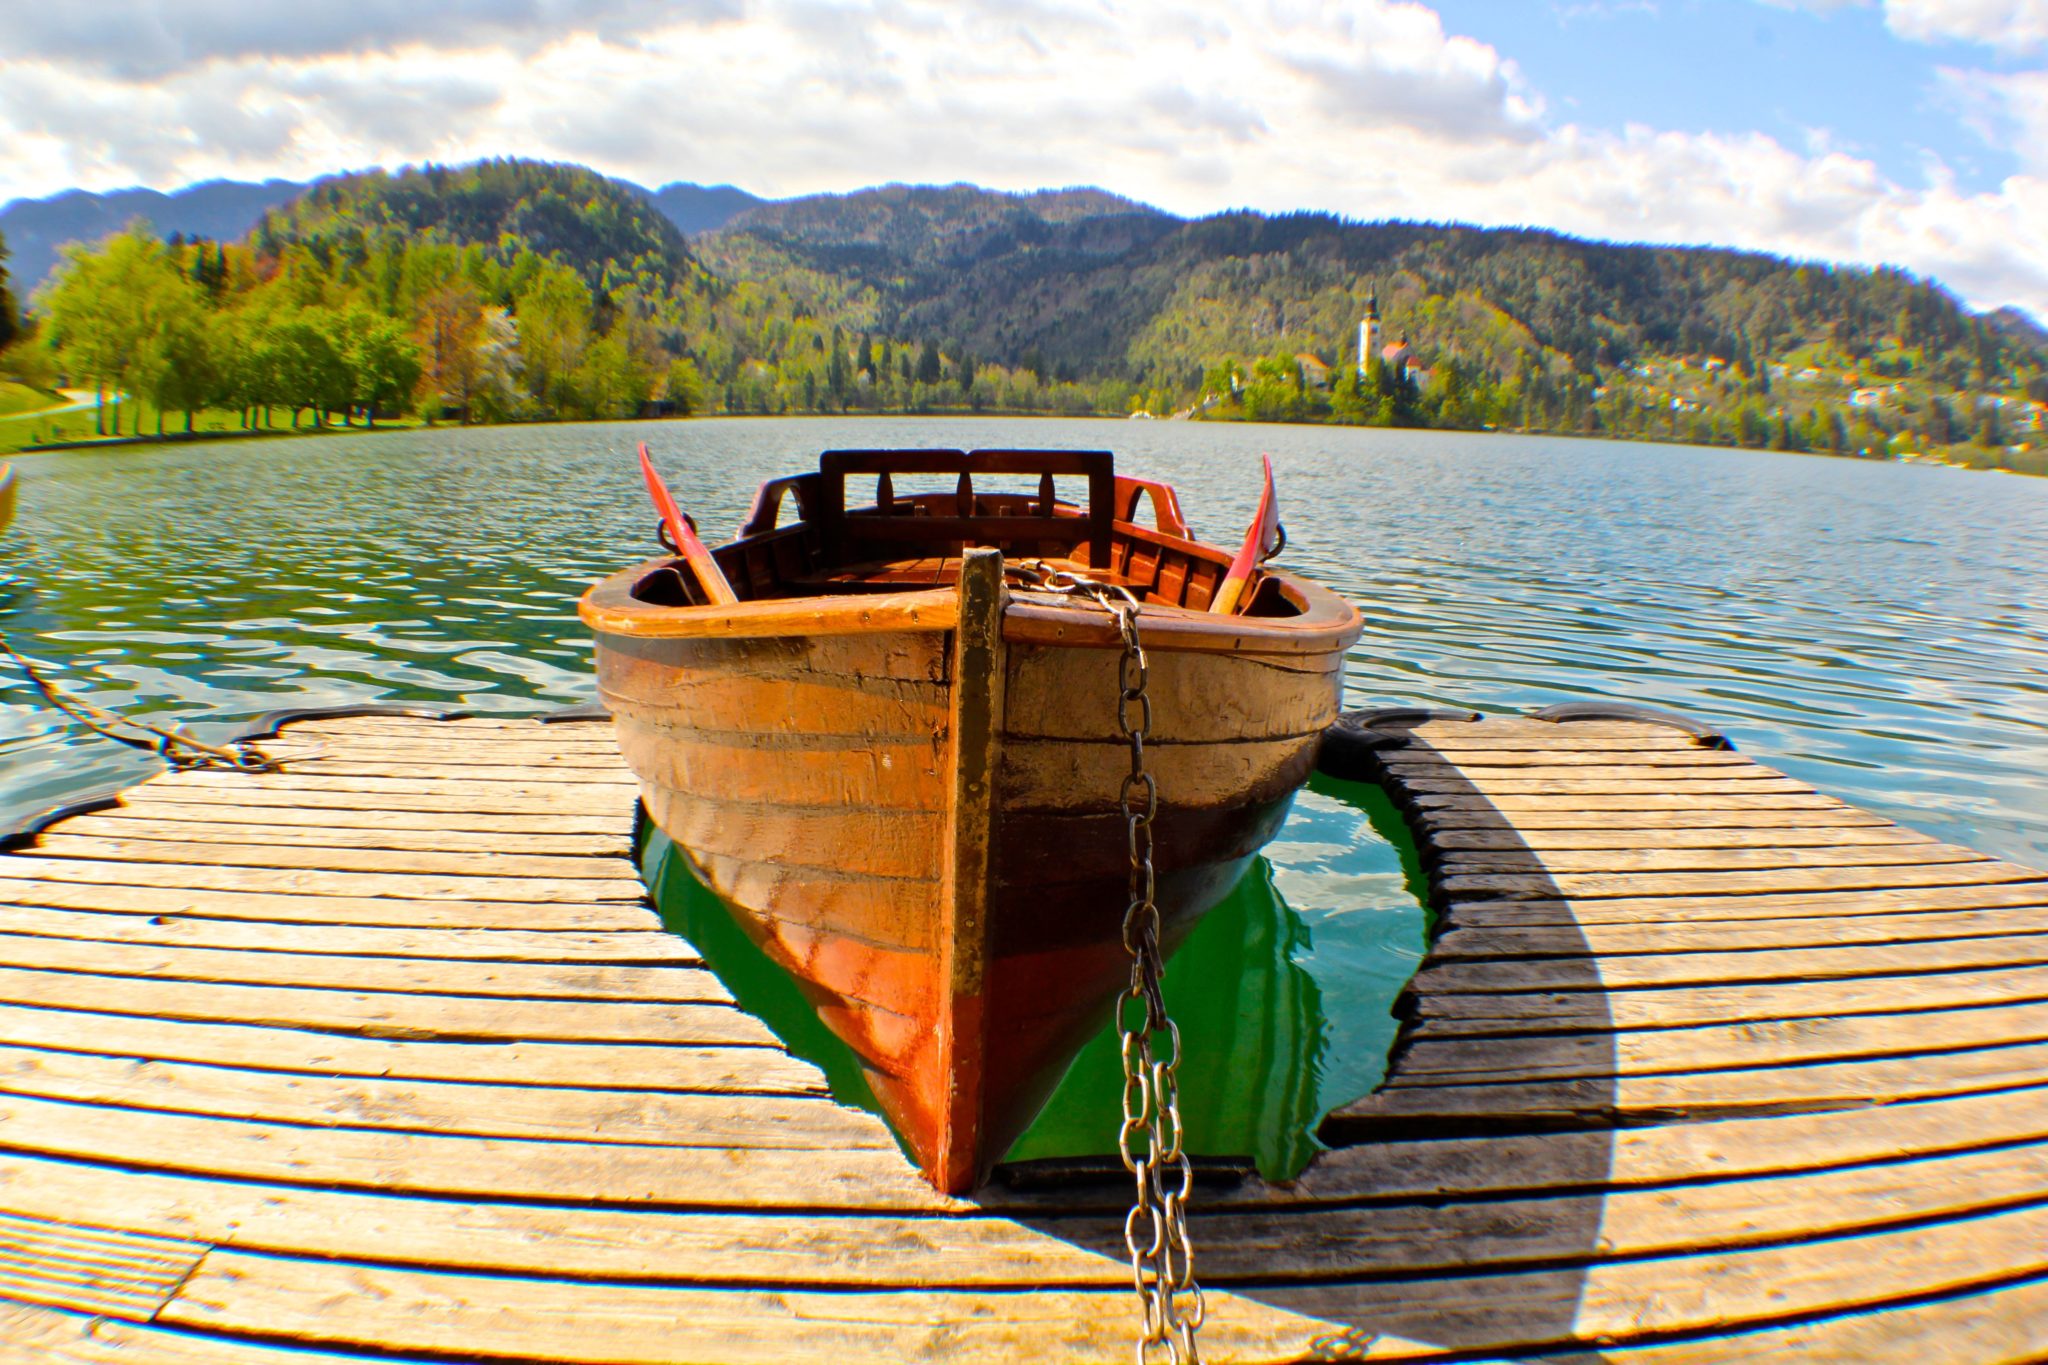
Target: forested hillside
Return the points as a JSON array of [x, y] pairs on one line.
[[38, 230], [499, 291], [1249, 315], [604, 229], [532, 290]]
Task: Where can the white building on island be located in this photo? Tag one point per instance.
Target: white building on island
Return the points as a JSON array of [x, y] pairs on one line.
[[1368, 331]]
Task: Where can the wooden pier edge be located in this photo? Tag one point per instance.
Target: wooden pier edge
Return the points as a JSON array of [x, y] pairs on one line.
[[386, 1057]]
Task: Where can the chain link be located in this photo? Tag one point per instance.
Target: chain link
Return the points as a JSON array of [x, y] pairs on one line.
[[1156, 1229]]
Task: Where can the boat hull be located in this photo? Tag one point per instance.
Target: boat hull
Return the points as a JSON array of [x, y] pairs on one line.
[[923, 831]]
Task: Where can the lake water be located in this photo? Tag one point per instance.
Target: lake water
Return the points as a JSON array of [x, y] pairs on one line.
[[1878, 630]]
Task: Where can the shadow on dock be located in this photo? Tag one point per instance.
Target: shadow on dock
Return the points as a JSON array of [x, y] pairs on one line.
[[1505, 1230], [1461, 1203]]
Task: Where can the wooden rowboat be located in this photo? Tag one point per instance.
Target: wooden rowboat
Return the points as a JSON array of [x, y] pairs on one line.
[[901, 766]]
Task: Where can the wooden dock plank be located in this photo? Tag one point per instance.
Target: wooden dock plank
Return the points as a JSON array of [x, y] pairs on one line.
[[1998, 1324], [1592, 885], [391, 1048], [391, 885], [1554, 940], [523, 784], [539, 837], [409, 862], [50, 1336], [1430, 1057], [1627, 1300], [466, 1108], [766, 1249], [1478, 762], [1468, 862], [282, 820], [574, 980], [309, 908], [1594, 1006], [272, 1046], [1747, 905], [1822, 812], [626, 1324], [1733, 964], [1493, 1094], [438, 1165], [637, 947], [1452, 842], [459, 810], [385, 1014]]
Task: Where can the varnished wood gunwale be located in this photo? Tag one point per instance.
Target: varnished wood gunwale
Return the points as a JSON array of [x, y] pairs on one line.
[[1326, 622]]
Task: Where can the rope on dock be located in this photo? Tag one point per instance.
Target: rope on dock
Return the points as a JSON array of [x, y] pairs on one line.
[[168, 742]]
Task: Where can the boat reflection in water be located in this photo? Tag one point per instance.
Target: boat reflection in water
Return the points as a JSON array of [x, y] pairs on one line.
[[1283, 993]]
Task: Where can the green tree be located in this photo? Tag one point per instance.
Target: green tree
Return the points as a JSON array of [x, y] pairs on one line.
[[383, 362], [175, 366], [104, 317], [683, 386], [448, 326], [247, 366], [554, 327], [929, 368], [311, 370], [1990, 429], [10, 315], [1275, 392], [611, 380]]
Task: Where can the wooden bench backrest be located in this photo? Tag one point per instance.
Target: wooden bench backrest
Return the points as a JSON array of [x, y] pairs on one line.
[[839, 530]]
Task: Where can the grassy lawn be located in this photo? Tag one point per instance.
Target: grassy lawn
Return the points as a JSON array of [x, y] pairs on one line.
[[25, 431], [20, 398]]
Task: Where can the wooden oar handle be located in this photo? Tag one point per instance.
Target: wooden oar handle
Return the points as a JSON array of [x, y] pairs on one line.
[[710, 578]]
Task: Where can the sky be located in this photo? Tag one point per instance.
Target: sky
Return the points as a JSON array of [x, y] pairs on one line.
[[1905, 132]]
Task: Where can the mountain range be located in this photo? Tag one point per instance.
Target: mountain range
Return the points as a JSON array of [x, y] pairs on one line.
[[37, 230], [1116, 305]]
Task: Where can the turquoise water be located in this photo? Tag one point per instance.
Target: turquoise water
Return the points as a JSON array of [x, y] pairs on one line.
[[1281, 994], [1878, 630]]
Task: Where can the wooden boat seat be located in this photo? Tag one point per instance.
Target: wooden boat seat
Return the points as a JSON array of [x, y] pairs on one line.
[[912, 540], [904, 574]]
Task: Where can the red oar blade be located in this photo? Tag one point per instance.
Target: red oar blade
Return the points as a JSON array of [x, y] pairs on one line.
[[710, 577], [1261, 540]]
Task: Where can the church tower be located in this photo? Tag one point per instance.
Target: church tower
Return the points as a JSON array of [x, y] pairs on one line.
[[1368, 331]]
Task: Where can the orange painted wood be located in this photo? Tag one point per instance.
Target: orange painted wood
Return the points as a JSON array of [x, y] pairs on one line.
[[909, 797]]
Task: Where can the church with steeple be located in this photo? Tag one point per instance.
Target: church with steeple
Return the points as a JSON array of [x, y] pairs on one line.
[[1368, 332], [1394, 358]]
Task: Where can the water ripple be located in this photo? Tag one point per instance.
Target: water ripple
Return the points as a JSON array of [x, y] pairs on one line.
[[1877, 630]]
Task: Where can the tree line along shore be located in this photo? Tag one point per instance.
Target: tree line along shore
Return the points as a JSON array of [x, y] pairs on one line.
[[513, 291]]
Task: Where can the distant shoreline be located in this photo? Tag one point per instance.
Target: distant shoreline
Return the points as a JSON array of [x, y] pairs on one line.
[[171, 438]]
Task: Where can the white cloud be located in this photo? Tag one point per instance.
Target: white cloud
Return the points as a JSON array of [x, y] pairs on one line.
[[146, 38], [2011, 24], [1367, 108]]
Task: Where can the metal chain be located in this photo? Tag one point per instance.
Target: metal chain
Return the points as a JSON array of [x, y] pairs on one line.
[[1156, 1229]]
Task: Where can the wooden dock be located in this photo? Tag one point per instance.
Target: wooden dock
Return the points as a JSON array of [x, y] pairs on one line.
[[386, 1057]]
